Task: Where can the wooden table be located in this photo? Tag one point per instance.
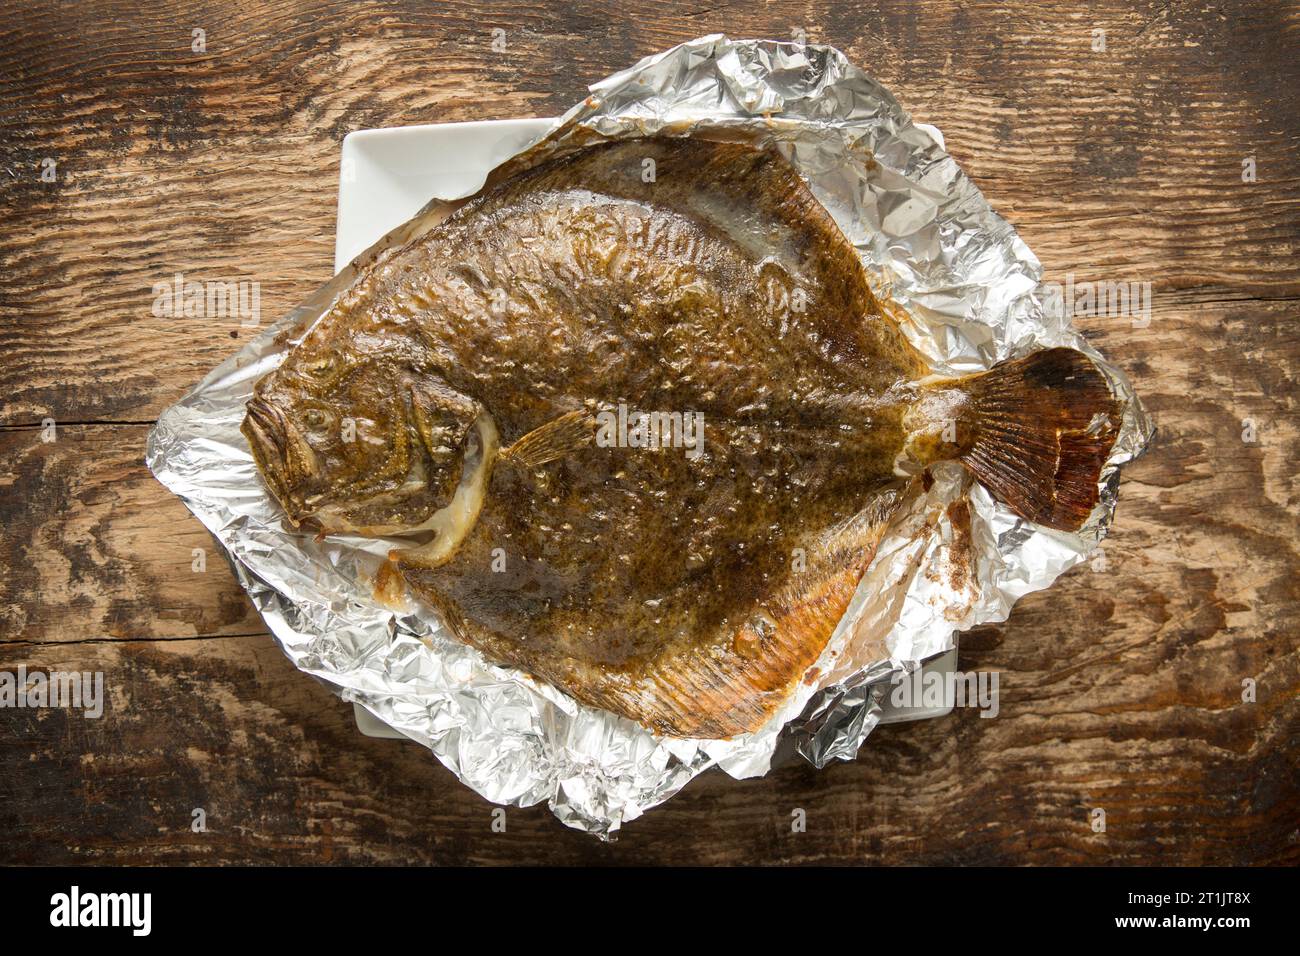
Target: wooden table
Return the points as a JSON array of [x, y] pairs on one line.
[[1121, 687]]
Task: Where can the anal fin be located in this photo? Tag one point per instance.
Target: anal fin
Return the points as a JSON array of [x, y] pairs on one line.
[[754, 668]]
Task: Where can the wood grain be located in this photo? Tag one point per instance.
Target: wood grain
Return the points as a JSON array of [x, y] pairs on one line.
[[1121, 686], [94, 547], [276, 763]]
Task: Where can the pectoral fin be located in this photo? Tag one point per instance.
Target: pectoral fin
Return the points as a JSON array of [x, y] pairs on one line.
[[556, 439]]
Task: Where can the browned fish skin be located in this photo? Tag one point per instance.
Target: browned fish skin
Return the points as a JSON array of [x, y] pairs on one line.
[[688, 594]]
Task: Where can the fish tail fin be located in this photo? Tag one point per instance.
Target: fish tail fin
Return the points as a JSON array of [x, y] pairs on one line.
[[1036, 432]]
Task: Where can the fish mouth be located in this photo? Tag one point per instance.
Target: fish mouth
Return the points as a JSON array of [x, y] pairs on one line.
[[266, 430]]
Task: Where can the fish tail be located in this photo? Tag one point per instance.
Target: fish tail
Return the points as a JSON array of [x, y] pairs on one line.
[[1034, 431]]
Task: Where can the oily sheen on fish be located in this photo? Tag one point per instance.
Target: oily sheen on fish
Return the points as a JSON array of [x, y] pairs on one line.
[[643, 421]]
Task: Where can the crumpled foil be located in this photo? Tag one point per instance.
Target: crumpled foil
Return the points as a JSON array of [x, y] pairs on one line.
[[967, 294]]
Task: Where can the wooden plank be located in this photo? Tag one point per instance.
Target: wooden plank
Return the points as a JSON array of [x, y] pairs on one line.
[[1122, 164], [95, 547], [1185, 774]]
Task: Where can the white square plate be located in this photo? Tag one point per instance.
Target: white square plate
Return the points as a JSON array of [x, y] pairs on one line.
[[387, 175]]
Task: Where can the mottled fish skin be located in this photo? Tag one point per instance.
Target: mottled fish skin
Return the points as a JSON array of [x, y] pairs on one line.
[[689, 594]]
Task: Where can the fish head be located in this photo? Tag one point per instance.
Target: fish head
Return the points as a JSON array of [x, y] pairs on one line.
[[356, 440]]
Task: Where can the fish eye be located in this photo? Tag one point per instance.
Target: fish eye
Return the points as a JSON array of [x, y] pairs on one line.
[[321, 367], [316, 419]]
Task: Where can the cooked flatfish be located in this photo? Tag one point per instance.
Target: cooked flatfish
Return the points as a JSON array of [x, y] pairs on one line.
[[644, 423]]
